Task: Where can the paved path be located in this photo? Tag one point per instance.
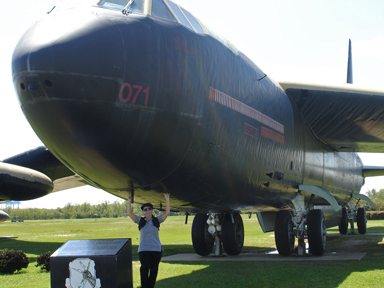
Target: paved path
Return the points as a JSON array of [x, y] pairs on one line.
[[274, 256]]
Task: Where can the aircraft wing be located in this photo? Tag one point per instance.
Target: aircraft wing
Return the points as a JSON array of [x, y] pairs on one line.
[[34, 174], [346, 118]]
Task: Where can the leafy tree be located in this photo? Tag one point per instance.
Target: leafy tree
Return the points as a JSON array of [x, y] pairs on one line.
[[79, 211], [377, 197]]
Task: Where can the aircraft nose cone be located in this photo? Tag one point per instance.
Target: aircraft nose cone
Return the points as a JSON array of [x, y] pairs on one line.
[[36, 48], [63, 46], [93, 94]]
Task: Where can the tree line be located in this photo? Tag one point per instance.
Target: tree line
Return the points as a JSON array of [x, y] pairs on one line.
[[78, 211], [377, 197], [117, 209]]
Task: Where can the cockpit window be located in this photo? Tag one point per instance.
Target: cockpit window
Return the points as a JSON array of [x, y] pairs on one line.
[[135, 7], [193, 21], [179, 14], [159, 9]]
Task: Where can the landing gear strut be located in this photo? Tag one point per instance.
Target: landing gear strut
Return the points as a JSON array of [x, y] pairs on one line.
[[301, 223], [208, 229], [353, 214]]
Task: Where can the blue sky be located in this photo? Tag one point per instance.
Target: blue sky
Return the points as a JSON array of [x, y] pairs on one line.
[[299, 40]]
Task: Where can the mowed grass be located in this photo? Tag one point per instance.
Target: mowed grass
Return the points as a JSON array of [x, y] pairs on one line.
[[38, 237]]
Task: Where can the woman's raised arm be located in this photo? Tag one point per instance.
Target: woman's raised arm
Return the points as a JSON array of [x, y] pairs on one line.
[[129, 210], [167, 207]]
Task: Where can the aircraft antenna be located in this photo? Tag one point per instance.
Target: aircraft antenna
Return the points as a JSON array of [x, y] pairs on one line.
[[265, 75], [349, 71], [126, 8]]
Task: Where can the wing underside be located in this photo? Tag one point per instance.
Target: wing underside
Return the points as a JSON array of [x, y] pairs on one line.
[[346, 118]]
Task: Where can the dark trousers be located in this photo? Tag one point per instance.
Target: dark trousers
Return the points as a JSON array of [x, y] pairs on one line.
[[149, 266]]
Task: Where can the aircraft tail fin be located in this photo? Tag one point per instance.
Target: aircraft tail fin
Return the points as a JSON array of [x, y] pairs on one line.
[[350, 71]]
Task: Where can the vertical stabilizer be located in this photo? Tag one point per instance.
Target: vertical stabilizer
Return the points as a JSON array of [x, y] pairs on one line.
[[349, 72]]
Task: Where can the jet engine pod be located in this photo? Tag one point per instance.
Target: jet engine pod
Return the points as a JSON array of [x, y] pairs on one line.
[[3, 216], [20, 183]]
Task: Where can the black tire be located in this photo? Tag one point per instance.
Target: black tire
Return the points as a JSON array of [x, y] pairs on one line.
[[284, 237], [202, 240], [232, 234], [317, 232], [343, 227], [361, 221]]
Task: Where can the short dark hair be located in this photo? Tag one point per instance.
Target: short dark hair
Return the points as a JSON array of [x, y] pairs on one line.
[[146, 205]]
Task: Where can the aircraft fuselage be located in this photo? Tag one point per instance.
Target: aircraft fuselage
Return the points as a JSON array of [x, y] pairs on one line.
[[138, 98]]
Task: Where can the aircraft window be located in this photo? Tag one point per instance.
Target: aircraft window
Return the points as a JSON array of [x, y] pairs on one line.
[[159, 9], [179, 14], [136, 5], [193, 21]]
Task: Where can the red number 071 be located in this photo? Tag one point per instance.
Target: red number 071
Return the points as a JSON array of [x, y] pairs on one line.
[[135, 90]]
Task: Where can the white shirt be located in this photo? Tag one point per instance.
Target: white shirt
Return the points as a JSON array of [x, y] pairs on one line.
[[149, 236]]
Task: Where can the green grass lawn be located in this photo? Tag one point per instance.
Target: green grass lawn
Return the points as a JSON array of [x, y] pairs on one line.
[[38, 237]]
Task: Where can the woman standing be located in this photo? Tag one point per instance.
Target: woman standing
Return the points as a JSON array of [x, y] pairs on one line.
[[150, 248]]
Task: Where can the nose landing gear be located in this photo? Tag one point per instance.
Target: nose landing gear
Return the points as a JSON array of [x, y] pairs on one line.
[[211, 228]]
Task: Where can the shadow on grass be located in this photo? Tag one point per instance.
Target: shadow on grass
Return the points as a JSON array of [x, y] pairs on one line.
[[29, 247], [38, 248]]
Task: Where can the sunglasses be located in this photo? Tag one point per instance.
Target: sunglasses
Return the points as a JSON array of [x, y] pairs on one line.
[[147, 209]]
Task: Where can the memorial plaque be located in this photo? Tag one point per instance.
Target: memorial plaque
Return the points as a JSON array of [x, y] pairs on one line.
[[93, 263]]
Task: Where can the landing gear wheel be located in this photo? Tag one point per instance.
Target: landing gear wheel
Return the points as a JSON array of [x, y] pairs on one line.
[[361, 221], [284, 237], [343, 227], [202, 240], [232, 234], [317, 232]]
